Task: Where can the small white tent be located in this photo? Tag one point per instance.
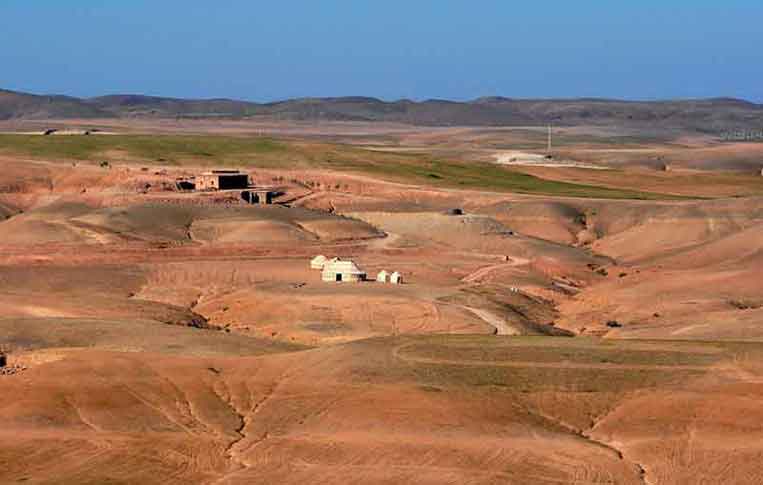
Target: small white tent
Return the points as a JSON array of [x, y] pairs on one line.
[[396, 278], [382, 276]]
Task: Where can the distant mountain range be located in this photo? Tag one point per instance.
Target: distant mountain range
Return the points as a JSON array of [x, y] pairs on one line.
[[704, 115]]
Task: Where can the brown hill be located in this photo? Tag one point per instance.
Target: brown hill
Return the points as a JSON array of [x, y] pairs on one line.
[[30, 106], [139, 105], [705, 115]]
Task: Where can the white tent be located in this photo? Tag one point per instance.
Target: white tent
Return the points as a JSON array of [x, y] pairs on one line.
[[318, 262], [382, 276], [339, 270], [396, 278]]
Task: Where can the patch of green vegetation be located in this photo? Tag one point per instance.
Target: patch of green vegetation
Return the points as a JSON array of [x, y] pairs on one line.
[[535, 379], [142, 335], [450, 349], [552, 354], [269, 153], [452, 361], [604, 141], [537, 140], [164, 148], [488, 176]]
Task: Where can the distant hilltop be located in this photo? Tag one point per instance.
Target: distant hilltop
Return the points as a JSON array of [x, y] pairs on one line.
[[712, 115]]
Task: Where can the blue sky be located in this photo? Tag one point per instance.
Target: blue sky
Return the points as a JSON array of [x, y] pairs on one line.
[[418, 49]]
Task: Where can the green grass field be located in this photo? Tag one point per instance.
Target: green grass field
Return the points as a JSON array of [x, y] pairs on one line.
[[537, 140], [149, 149], [209, 150]]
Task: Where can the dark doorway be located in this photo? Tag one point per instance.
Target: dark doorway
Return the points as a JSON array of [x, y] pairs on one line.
[[339, 276], [186, 185], [237, 181]]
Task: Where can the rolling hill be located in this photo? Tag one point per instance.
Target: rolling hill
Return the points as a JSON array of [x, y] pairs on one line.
[[14, 105], [702, 115]]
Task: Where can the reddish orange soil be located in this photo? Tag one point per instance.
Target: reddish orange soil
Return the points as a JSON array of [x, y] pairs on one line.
[[164, 337]]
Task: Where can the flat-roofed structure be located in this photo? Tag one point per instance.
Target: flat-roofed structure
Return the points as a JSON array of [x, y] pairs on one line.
[[222, 180]]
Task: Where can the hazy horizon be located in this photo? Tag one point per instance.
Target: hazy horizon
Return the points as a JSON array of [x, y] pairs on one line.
[[386, 100]]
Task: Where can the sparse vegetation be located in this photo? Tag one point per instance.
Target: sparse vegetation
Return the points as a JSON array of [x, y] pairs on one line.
[[270, 153], [545, 364], [536, 379], [560, 350], [149, 148]]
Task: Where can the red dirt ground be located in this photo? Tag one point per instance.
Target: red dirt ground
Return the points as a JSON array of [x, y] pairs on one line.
[[166, 337]]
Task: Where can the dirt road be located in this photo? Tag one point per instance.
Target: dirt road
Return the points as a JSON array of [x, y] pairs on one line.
[[501, 326]]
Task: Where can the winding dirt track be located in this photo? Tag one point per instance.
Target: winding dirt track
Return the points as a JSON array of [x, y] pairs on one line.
[[501, 327]]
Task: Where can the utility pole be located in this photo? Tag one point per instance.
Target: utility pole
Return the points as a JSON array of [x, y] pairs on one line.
[[548, 148]]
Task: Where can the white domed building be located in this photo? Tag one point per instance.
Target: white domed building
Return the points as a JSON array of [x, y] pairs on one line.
[[339, 270]]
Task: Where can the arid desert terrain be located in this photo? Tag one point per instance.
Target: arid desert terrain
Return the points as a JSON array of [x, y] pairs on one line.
[[592, 314]]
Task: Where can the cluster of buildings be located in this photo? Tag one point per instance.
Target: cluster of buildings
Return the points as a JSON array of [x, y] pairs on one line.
[[345, 270], [216, 180]]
